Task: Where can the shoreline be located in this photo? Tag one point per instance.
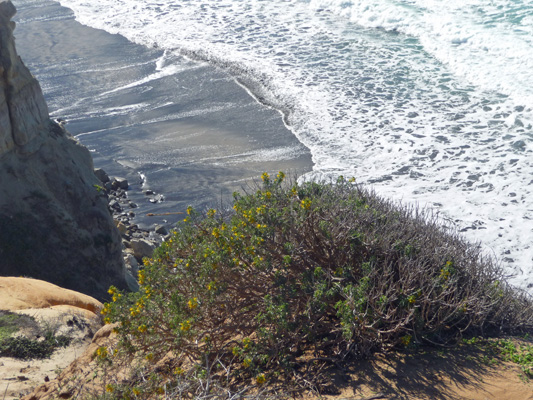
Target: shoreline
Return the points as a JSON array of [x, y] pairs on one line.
[[180, 128]]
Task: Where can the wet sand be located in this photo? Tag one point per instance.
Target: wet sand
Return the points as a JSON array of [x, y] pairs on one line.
[[178, 127]]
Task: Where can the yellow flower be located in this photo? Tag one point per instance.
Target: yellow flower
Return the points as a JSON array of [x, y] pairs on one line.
[[406, 340], [136, 391], [246, 363], [193, 303], [211, 213], [265, 177], [149, 356], [305, 204], [142, 328], [189, 210], [102, 352], [179, 371], [185, 326], [106, 309], [211, 286], [109, 388], [281, 176], [141, 277], [260, 379], [235, 351]]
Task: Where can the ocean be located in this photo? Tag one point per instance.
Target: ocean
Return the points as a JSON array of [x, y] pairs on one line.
[[428, 102]]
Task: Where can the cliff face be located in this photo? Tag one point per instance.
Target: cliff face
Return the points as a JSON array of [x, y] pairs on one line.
[[54, 221]]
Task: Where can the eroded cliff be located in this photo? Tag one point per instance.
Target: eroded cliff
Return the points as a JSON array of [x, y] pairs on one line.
[[54, 220]]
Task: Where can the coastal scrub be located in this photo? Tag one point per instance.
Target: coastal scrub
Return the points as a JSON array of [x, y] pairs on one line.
[[300, 275]]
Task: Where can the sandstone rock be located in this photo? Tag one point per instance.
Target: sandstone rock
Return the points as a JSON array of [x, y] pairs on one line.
[[23, 293], [54, 222], [54, 309], [142, 248], [23, 111], [123, 229]]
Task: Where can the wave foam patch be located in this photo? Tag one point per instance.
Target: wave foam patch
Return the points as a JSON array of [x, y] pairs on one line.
[[400, 95]]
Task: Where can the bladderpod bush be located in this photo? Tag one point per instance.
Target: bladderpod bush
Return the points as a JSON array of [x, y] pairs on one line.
[[303, 272]]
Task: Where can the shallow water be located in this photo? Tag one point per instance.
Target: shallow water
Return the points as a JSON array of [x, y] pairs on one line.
[[428, 101], [183, 129]]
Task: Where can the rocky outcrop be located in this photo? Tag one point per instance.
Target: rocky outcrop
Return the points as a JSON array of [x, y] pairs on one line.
[[54, 220], [23, 293], [23, 111]]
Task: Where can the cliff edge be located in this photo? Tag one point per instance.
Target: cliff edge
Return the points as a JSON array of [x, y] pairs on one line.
[[54, 219]]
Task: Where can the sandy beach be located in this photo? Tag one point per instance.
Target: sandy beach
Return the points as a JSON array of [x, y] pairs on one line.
[[180, 128]]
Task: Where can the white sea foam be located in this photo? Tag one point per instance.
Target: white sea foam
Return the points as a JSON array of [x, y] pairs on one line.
[[429, 101]]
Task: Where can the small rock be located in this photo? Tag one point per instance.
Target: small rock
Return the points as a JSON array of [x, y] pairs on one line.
[[131, 264], [142, 248], [148, 192], [101, 174], [131, 281], [120, 183], [121, 227], [115, 205], [161, 230]]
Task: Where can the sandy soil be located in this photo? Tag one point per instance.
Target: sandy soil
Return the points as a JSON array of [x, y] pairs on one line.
[[464, 373], [63, 311], [458, 374]]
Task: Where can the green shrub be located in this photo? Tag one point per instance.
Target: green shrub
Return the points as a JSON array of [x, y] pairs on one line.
[[300, 273], [23, 347], [11, 322], [26, 348]]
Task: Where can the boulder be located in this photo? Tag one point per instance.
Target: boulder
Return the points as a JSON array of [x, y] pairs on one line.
[[119, 183], [142, 248], [24, 293], [101, 174]]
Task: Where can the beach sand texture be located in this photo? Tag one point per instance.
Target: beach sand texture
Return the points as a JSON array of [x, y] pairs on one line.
[[179, 127]]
